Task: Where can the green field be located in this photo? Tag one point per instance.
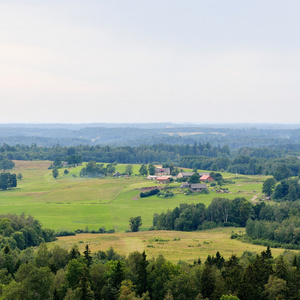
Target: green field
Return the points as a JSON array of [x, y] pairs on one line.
[[70, 202]]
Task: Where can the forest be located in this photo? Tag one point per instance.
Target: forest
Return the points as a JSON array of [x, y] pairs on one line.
[[233, 135], [57, 273]]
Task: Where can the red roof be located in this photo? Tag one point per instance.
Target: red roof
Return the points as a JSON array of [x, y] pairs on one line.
[[162, 178], [205, 177]]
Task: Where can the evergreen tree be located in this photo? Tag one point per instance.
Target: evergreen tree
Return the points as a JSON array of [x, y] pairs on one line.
[[87, 255], [142, 279], [208, 281], [84, 288]]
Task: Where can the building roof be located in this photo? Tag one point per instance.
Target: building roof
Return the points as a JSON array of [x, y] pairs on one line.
[[195, 186], [205, 177], [163, 178], [185, 185], [187, 174]]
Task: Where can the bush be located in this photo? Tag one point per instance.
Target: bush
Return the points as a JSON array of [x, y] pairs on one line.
[[181, 179], [64, 233], [208, 225], [166, 194], [149, 193]]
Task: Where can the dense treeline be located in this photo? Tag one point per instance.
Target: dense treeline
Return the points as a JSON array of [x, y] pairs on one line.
[[236, 212], [243, 164], [22, 232], [141, 154], [70, 275], [197, 156], [276, 234]]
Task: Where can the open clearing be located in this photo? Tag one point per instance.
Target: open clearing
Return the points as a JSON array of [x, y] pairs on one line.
[[174, 245], [71, 202]]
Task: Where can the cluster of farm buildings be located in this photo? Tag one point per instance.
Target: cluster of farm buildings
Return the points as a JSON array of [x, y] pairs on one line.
[[162, 175]]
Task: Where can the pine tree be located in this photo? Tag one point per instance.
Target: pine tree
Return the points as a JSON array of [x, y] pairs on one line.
[[87, 255], [208, 281], [84, 286], [74, 253], [142, 275]]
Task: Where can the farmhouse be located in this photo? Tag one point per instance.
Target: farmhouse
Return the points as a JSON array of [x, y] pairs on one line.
[[206, 178], [162, 171], [198, 187], [194, 187], [163, 179]]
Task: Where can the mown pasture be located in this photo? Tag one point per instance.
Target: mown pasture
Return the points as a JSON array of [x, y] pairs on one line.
[[70, 202], [174, 245]]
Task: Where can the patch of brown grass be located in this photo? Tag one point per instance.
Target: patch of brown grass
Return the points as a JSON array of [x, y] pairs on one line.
[[174, 245], [25, 165]]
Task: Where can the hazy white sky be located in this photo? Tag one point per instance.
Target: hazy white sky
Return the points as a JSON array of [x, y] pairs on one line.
[[149, 61]]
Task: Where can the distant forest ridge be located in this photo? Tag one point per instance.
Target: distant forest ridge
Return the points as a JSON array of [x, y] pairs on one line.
[[109, 134], [246, 160]]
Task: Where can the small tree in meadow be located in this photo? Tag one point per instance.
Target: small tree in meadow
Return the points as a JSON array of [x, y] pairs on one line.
[[143, 170], [55, 173], [135, 223]]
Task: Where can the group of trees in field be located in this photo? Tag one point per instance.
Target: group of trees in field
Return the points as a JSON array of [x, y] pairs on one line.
[[57, 273], [282, 221], [7, 180], [190, 217], [92, 169], [6, 164], [20, 232], [282, 186], [285, 190]]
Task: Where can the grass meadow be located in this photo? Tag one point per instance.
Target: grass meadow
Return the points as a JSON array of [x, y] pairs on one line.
[[174, 245], [70, 202]]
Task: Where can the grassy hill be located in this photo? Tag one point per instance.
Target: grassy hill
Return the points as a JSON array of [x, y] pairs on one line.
[[70, 202]]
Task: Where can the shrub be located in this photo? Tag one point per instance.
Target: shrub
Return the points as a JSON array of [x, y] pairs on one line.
[[149, 193]]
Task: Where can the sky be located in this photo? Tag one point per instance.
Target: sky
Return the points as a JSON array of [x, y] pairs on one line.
[[202, 61]]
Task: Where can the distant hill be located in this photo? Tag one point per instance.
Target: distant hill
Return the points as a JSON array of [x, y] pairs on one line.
[[135, 134]]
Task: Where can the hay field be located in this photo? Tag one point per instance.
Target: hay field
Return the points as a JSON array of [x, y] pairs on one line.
[[174, 245]]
